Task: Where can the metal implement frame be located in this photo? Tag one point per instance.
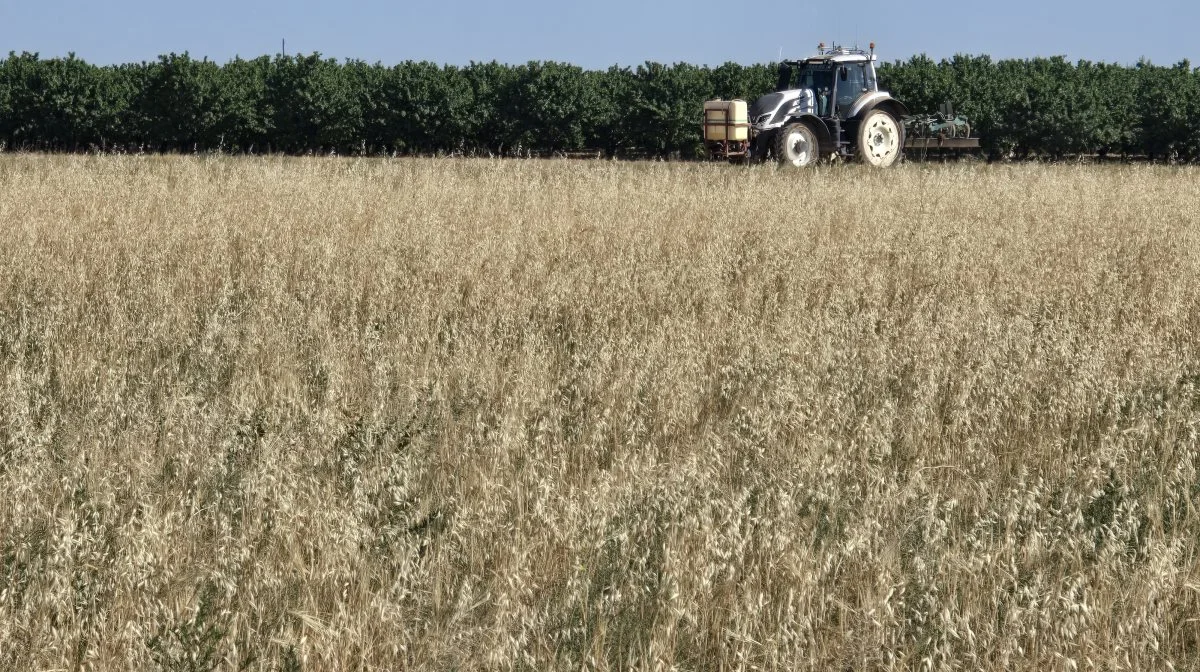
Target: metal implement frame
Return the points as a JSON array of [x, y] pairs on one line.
[[941, 143]]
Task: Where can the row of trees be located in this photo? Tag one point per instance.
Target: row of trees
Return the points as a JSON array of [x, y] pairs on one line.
[[298, 104]]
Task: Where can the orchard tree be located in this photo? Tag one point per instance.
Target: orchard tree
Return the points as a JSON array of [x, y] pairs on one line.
[[667, 104]]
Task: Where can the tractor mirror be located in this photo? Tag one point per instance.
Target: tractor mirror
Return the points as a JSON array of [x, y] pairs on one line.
[[843, 73]]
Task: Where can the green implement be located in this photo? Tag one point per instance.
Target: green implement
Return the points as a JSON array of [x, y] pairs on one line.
[[944, 130]]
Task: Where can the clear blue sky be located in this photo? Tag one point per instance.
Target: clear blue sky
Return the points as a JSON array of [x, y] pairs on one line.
[[599, 34]]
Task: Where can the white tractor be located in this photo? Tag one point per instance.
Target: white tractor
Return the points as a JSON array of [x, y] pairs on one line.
[[825, 106]]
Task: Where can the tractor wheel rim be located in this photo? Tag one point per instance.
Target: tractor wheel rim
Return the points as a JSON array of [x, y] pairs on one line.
[[798, 148], [883, 139]]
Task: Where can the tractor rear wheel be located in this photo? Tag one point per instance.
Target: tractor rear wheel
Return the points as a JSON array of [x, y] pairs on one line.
[[796, 145], [879, 139]]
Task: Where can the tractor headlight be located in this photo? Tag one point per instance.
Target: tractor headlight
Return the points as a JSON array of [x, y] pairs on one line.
[[763, 119]]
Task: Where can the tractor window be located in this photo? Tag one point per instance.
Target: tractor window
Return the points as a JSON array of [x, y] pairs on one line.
[[787, 77], [817, 79], [852, 86], [820, 81]]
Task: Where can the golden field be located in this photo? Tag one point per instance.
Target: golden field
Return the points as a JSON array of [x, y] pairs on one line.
[[325, 414]]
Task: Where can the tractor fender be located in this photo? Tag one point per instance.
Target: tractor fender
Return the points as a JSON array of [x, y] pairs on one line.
[[824, 137], [878, 99]]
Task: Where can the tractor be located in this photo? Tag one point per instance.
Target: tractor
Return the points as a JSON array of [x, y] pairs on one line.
[[826, 106]]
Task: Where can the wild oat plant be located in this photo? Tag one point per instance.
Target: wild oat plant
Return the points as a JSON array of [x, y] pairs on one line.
[[285, 414]]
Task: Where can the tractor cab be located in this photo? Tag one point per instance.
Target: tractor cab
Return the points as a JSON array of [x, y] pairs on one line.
[[837, 77]]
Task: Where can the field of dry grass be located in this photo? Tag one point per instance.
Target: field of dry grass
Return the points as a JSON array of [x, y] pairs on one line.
[[288, 414]]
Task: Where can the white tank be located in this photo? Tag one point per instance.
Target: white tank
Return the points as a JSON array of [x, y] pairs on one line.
[[726, 120]]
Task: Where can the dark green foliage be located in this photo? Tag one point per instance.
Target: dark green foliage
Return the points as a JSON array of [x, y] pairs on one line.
[[62, 104], [609, 130], [1167, 100], [179, 103], [243, 120], [666, 105], [415, 107], [551, 106], [316, 104], [1041, 107]]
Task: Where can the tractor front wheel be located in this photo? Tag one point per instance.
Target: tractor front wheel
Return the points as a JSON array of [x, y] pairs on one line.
[[879, 139], [796, 145]]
